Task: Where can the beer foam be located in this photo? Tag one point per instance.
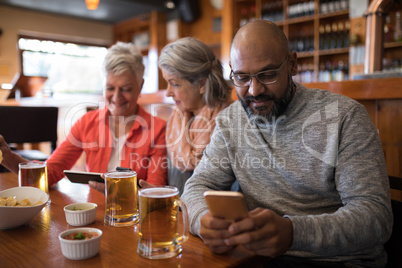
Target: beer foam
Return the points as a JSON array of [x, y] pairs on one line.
[[32, 165], [158, 192], [120, 174]]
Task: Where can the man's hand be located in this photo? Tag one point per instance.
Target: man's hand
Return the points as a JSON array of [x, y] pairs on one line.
[[264, 232], [145, 184], [214, 231]]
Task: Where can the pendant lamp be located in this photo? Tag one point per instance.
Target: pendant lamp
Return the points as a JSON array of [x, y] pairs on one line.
[[92, 4]]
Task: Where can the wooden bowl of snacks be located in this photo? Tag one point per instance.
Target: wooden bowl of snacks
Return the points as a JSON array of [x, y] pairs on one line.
[[19, 205], [80, 243]]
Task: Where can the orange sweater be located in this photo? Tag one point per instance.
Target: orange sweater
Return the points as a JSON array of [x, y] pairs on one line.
[[143, 152]]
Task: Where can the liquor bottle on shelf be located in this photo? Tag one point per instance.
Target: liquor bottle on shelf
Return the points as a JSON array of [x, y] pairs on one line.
[[337, 72], [344, 4], [291, 43], [341, 35], [278, 11], [300, 43], [340, 72], [291, 11], [266, 11], [308, 8], [331, 6], [328, 71], [324, 6], [334, 71], [388, 30], [305, 9], [327, 37], [311, 7], [337, 5], [334, 36], [321, 30], [321, 73], [346, 71], [252, 13], [309, 42], [244, 17], [346, 33], [297, 77], [325, 73], [300, 9], [306, 77], [305, 73], [398, 27]]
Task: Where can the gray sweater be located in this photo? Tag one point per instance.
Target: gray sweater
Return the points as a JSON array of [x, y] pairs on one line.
[[320, 164]]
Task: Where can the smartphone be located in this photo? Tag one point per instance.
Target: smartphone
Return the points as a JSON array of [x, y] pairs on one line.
[[226, 205], [82, 176], [129, 169]]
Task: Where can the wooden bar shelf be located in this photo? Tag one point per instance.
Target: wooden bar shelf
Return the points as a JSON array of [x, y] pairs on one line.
[[340, 13], [393, 45], [334, 51], [300, 20]]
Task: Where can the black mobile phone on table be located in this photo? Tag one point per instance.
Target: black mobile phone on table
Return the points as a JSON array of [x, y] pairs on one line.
[[83, 176]]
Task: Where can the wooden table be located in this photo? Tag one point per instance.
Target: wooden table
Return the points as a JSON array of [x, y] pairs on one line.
[[36, 244]]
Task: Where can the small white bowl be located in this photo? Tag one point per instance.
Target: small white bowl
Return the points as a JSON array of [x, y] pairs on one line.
[[80, 249], [11, 217], [80, 214]]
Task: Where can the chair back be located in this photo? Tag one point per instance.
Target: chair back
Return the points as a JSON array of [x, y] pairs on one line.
[[394, 245], [22, 124]]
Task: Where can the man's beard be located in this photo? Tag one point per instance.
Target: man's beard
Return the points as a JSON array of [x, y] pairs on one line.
[[279, 107]]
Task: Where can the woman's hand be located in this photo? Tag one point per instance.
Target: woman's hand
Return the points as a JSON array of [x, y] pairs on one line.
[[99, 186]]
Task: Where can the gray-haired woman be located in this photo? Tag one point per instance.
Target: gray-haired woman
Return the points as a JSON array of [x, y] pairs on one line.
[[196, 84]]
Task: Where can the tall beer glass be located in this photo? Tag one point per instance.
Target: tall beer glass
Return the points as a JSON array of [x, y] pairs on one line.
[[33, 173], [121, 198], [159, 232]]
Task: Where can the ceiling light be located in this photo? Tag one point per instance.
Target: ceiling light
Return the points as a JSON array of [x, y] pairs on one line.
[[92, 4], [170, 4]]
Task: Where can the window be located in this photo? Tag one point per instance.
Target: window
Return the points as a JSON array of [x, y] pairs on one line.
[[70, 68]]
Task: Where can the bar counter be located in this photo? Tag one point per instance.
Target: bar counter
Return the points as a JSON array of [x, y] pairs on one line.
[[36, 244]]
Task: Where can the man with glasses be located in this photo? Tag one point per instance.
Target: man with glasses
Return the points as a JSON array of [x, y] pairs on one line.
[[309, 163]]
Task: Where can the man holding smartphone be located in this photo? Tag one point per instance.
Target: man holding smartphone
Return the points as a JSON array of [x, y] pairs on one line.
[[309, 163]]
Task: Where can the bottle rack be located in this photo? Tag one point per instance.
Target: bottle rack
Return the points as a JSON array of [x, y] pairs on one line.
[[301, 21], [319, 31], [392, 58], [148, 32]]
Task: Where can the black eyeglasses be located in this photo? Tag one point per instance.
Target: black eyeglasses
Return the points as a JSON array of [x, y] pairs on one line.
[[264, 77]]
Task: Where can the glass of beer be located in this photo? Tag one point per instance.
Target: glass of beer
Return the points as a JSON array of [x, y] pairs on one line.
[[33, 173], [159, 229], [121, 198]]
